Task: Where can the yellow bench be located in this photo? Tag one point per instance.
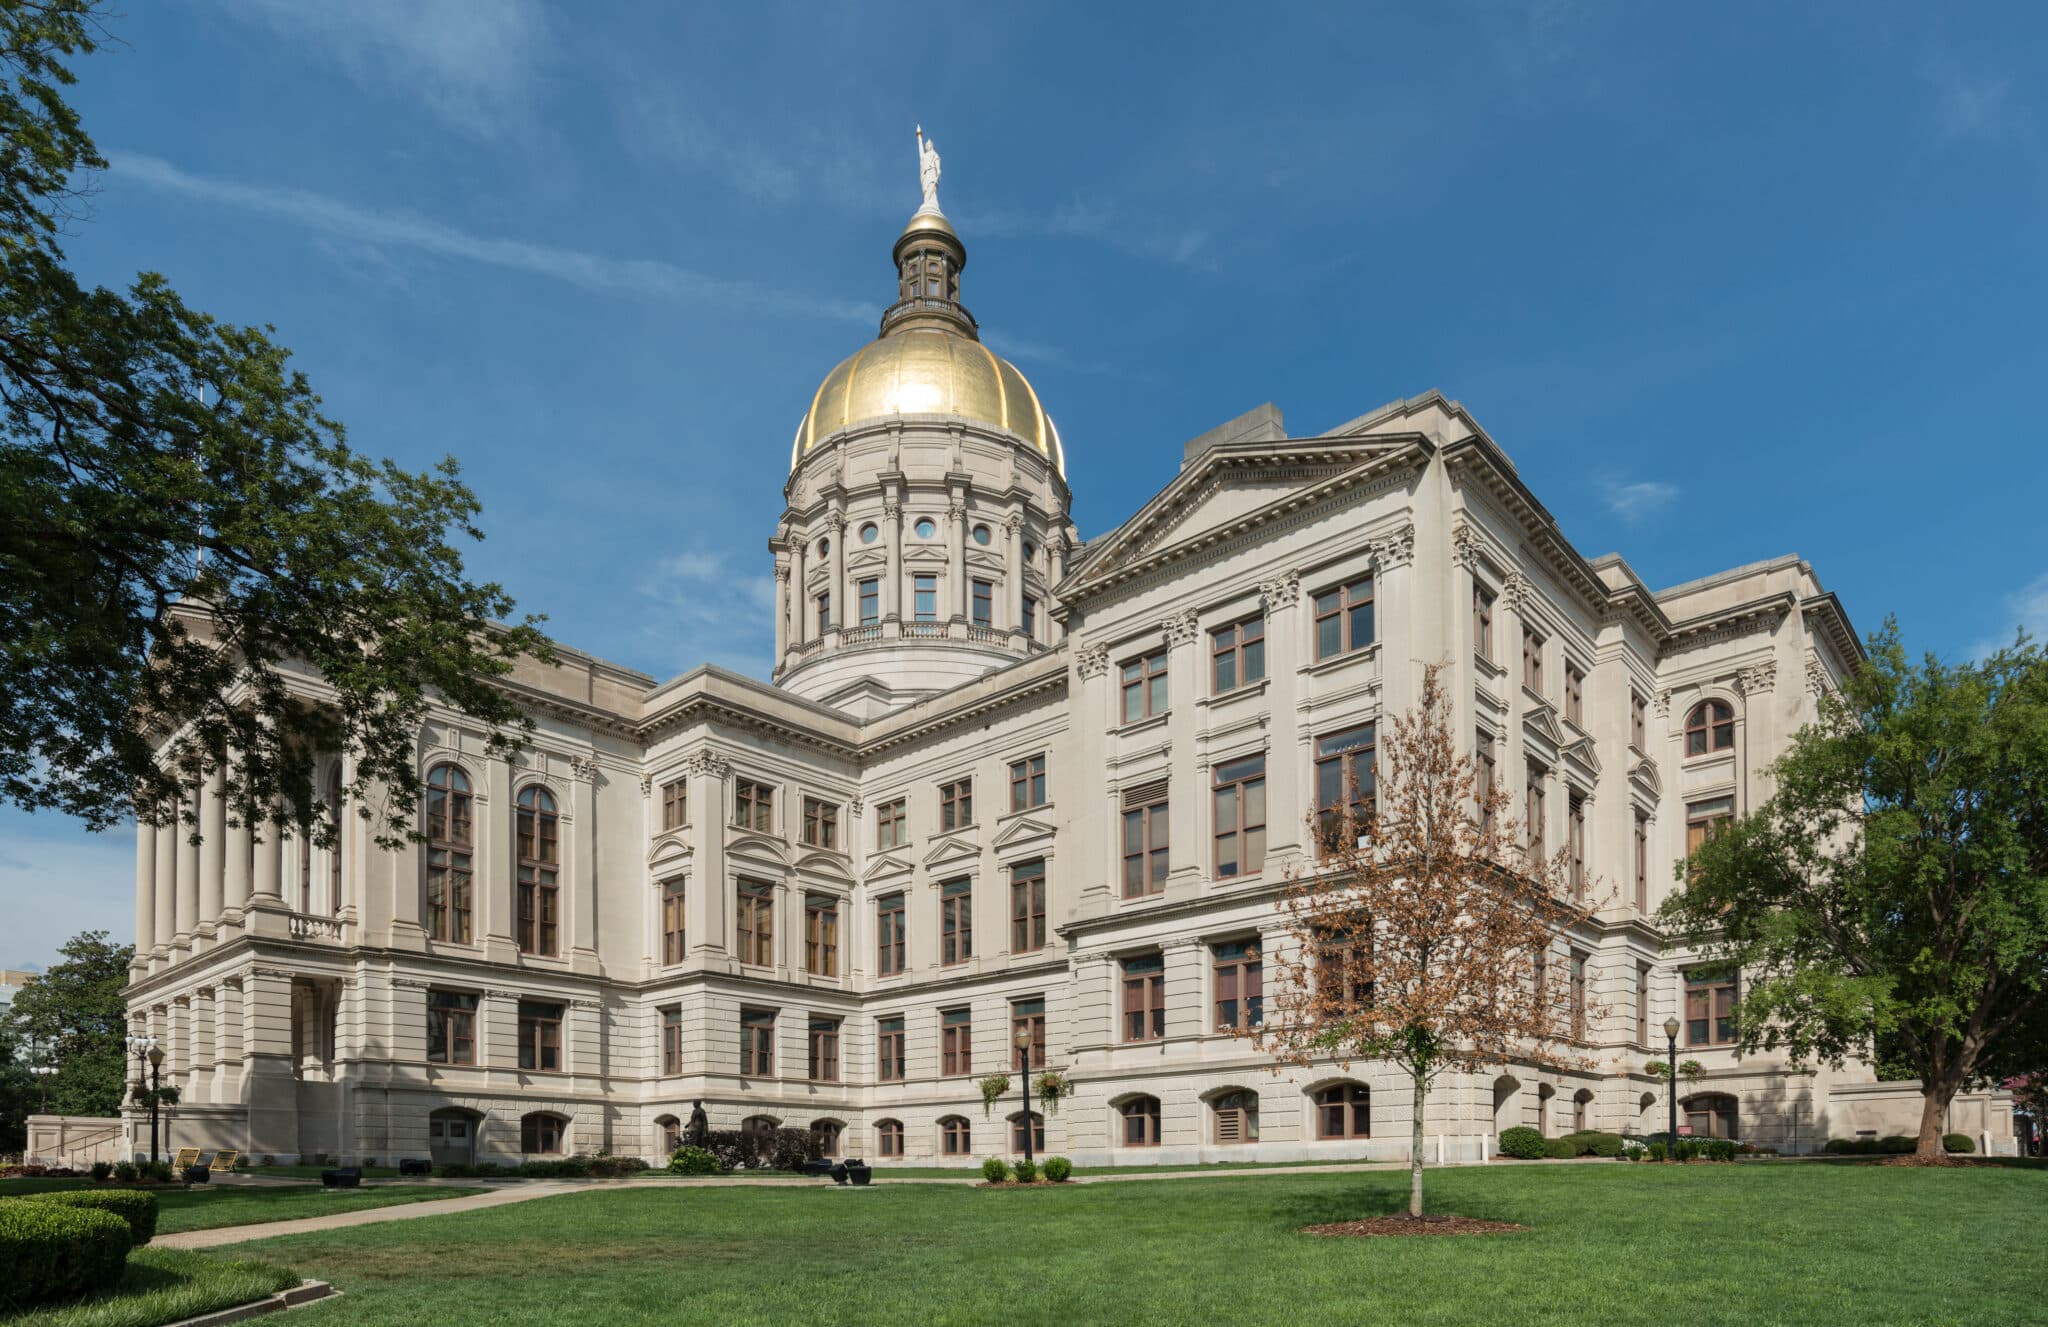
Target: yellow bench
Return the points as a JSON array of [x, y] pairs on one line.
[[187, 1156], [224, 1162]]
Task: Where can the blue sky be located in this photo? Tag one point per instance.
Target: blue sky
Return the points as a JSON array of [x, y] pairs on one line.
[[1726, 281]]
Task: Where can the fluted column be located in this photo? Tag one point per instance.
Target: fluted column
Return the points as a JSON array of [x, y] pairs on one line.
[[166, 877], [269, 869], [781, 610], [1056, 563], [800, 595], [145, 889], [579, 853], [213, 838], [892, 539], [1013, 574], [956, 557], [188, 877], [229, 1035], [235, 880], [841, 601], [202, 1044]]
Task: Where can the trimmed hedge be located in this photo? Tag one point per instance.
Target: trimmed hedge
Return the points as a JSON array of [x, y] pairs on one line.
[[1958, 1142], [1522, 1143], [134, 1206], [995, 1170], [1057, 1169], [1560, 1149], [1027, 1172], [1596, 1143], [50, 1251]]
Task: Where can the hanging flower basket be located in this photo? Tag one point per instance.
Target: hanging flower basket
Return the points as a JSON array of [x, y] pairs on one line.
[[1052, 1085], [992, 1089]]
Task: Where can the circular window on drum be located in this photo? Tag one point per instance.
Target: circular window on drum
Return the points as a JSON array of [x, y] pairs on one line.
[[982, 535], [868, 533], [924, 527]]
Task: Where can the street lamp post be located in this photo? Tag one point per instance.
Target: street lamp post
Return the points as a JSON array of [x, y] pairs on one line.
[[156, 1089], [1024, 1061], [1671, 1068]]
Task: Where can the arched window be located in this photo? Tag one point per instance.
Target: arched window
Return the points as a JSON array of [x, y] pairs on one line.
[[542, 1133], [1141, 1122], [759, 1124], [1037, 1133], [1344, 1111], [889, 1137], [671, 1130], [449, 844], [1710, 727], [1237, 1117], [827, 1132], [540, 856], [1582, 1103], [1710, 1115], [1543, 1095], [333, 798], [955, 1139]]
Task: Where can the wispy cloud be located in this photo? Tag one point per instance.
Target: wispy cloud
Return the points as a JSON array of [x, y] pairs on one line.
[[1971, 102], [1180, 246], [666, 126], [703, 609], [1637, 502], [648, 278], [2025, 609], [474, 63]]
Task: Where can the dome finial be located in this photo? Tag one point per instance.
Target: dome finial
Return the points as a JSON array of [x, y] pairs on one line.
[[928, 173]]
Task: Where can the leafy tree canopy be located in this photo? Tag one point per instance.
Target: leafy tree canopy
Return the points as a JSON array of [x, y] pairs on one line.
[[76, 1016], [182, 530]]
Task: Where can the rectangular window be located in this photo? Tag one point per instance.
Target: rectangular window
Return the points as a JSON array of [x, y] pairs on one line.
[[1486, 777], [540, 1036], [1344, 618], [537, 830], [755, 923], [1028, 1016], [821, 823], [824, 1064], [956, 1042], [1027, 782], [956, 804], [1240, 985], [890, 942], [889, 1048], [1532, 660], [1145, 998], [1344, 781], [924, 596], [1145, 844], [889, 824], [1642, 862], [757, 1043], [1144, 686], [984, 603], [672, 930], [1533, 808], [1710, 1007], [753, 805], [1575, 837], [675, 804], [671, 1041], [956, 921], [1638, 721], [451, 1027], [1030, 621], [824, 602], [870, 601], [1574, 695], [821, 935], [1237, 655], [1240, 817], [1578, 978], [1482, 622], [1642, 1004], [1705, 819], [1344, 969], [1027, 906]]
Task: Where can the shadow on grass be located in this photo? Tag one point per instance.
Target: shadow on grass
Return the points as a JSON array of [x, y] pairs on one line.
[[1365, 1202]]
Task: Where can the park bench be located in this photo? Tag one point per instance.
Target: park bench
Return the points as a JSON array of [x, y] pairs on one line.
[[415, 1166], [342, 1177]]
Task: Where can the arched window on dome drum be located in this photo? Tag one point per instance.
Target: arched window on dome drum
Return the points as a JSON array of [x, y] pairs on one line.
[[1710, 727], [449, 843], [539, 903]]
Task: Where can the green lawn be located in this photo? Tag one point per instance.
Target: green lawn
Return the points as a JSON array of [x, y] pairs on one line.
[[205, 1207], [1699, 1245], [166, 1285]]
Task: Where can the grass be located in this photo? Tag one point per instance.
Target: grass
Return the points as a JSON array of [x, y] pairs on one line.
[[1702, 1245], [205, 1208], [885, 1171], [165, 1285]]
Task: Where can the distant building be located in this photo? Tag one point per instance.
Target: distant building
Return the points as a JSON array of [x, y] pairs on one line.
[[11, 983]]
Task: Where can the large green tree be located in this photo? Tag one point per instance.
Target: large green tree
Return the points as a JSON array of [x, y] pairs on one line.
[[76, 1015], [181, 526], [1891, 896]]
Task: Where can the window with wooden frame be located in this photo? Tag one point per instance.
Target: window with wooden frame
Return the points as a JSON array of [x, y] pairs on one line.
[[1578, 996], [889, 1050], [956, 1042], [1574, 695], [824, 611], [1240, 983], [956, 805], [1344, 1110], [1143, 686], [451, 1027], [1237, 1117], [1710, 727], [1036, 1123], [889, 822], [825, 1133], [541, 1134], [1543, 1095], [754, 923], [889, 1137], [1638, 721], [1027, 1015], [1706, 818], [1532, 660], [671, 1134], [1344, 618], [1344, 782], [1482, 622], [1533, 808], [924, 596], [671, 1041], [1710, 1007], [1344, 970], [540, 1037], [982, 603], [1029, 620], [1642, 859], [1710, 1115], [1027, 782], [821, 935], [332, 799], [824, 1062], [1581, 1100], [675, 804], [821, 823], [1239, 806], [539, 835], [1140, 1121], [757, 1043], [753, 805], [1027, 906], [956, 921], [448, 827], [870, 598], [1144, 982], [1146, 839], [674, 930], [1575, 839], [1486, 776], [956, 1136], [891, 941], [1237, 655]]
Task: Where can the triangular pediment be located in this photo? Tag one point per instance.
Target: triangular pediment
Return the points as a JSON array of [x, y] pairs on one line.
[[1542, 722], [883, 867], [1581, 751], [958, 848], [1020, 829]]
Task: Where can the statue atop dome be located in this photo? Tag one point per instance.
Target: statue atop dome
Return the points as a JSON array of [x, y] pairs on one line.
[[928, 171]]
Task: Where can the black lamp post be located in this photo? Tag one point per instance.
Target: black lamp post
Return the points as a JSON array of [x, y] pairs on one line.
[[156, 1091], [1024, 1061], [1671, 1068]]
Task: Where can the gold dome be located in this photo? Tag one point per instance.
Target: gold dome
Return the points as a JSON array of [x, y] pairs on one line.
[[928, 371]]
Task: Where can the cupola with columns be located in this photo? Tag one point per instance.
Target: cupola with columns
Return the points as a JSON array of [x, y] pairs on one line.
[[927, 505]]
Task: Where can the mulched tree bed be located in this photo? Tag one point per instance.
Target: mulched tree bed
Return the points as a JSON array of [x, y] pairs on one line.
[[1414, 1225], [1013, 1184]]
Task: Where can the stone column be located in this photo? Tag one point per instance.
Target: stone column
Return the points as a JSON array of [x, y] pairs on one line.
[[491, 887], [781, 609], [166, 877], [1012, 619], [188, 879], [268, 1083], [1094, 704], [213, 831], [956, 557], [1286, 648], [800, 593], [1056, 563], [237, 872], [707, 898], [202, 1044], [229, 1033], [145, 891], [892, 540], [580, 852], [841, 601], [178, 1040]]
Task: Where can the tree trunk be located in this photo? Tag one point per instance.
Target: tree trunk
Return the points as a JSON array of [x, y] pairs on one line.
[[1935, 1094], [1415, 1148]]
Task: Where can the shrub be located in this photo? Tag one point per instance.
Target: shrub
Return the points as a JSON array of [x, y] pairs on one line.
[[1718, 1149], [1027, 1172], [1656, 1152], [1686, 1149], [693, 1161], [995, 1170], [1521, 1142], [1958, 1142], [102, 1169], [1560, 1149], [1897, 1144], [1597, 1143], [135, 1207], [455, 1170], [1057, 1169], [1634, 1149], [53, 1251], [126, 1172], [605, 1166]]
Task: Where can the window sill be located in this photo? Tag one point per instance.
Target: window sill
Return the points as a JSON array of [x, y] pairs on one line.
[[1015, 811], [1136, 726], [1488, 667], [823, 847], [1242, 691], [1337, 662], [1536, 698]]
